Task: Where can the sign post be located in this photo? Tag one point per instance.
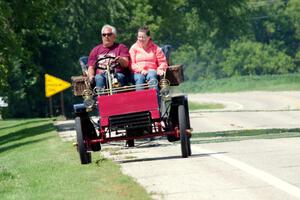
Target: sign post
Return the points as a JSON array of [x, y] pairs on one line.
[[54, 85], [50, 106], [62, 105]]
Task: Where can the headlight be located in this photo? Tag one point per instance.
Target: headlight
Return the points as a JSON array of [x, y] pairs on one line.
[[165, 89], [88, 100], [164, 92], [89, 103]]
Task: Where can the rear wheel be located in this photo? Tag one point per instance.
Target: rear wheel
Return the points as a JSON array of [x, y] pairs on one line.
[[182, 129], [85, 157], [130, 143], [172, 138], [93, 135], [131, 133]]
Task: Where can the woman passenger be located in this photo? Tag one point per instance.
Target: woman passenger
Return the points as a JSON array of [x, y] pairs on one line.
[[147, 59]]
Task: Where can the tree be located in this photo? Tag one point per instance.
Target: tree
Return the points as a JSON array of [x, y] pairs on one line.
[[39, 37], [44, 37], [254, 58], [277, 22]]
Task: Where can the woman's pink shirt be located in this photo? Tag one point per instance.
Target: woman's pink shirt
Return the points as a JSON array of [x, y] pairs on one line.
[[151, 58]]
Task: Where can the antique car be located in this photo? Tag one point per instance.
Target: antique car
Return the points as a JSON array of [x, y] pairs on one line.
[[127, 114]]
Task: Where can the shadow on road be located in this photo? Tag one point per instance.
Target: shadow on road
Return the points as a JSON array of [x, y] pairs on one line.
[[168, 158]]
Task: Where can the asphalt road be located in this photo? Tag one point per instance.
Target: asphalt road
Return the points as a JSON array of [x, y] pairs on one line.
[[251, 169], [247, 110]]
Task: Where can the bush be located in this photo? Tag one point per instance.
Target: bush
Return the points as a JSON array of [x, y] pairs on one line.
[[254, 58]]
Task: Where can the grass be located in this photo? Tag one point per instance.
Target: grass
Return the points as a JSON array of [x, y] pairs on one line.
[[238, 135], [36, 164], [244, 83], [204, 106]]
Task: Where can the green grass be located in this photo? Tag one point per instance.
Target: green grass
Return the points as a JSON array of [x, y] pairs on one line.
[[204, 106], [238, 135], [244, 83], [36, 164]]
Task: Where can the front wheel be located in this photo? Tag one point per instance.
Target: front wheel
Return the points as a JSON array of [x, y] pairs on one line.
[[182, 129], [85, 157]]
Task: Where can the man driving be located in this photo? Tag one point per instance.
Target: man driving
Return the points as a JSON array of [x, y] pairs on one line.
[[108, 48]]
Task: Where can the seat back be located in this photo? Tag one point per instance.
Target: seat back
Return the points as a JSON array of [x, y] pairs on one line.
[[83, 64], [166, 49]]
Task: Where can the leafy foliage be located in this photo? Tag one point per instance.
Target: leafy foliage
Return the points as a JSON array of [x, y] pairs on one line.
[[253, 58], [213, 39]]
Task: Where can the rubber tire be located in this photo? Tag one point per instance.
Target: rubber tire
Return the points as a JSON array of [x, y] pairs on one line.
[[182, 130], [172, 138], [130, 143], [89, 157], [96, 147], [85, 157], [189, 146], [92, 134]]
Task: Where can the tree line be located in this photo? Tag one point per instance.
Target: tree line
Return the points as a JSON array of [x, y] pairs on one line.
[[213, 39]]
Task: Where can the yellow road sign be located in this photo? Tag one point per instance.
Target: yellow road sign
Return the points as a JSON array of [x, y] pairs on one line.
[[54, 85]]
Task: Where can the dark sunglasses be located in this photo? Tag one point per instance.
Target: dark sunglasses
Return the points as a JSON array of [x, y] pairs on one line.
[[107, 34]]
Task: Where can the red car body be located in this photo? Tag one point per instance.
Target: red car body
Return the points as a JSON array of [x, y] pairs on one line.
[[128, 102]]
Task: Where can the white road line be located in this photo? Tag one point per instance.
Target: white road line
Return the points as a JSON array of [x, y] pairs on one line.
[[268, 178]]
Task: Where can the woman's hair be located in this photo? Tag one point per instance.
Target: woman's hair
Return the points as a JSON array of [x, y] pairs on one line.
[[113, 29], [145, 29]]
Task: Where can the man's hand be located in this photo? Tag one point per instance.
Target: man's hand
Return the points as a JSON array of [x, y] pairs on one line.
[[91, 79], [122, 60], [117, 58], [91, 74]]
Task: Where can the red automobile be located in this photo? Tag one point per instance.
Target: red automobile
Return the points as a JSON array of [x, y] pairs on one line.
[[128, 114]]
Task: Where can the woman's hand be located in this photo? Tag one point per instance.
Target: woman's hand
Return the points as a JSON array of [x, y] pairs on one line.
[[160, 72], [144, 72]]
